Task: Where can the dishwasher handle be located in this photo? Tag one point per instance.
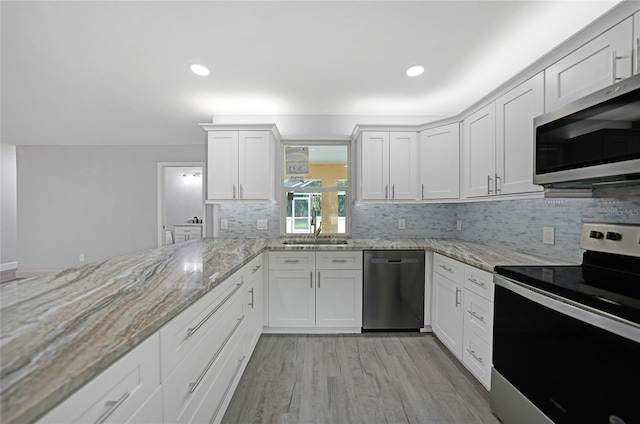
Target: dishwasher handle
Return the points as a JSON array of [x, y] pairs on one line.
[[394, 261]]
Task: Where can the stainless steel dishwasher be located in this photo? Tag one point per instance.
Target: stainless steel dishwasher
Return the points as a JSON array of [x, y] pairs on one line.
[[393, 295]]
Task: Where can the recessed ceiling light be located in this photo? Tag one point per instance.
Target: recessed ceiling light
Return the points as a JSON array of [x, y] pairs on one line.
[[199, 70], [414, 71]]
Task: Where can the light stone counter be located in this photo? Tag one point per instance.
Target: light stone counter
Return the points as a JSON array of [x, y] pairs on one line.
[[59, 331]]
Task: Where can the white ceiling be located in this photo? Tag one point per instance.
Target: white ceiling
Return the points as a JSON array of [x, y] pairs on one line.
[[117, 72]]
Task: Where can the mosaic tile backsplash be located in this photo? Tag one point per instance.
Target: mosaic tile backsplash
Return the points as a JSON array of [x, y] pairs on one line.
[[511, 224]]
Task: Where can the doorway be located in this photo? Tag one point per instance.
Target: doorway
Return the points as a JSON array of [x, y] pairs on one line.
[[180, 200]]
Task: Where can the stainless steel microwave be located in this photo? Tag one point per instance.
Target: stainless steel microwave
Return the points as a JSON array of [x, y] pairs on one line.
[[593, 140]]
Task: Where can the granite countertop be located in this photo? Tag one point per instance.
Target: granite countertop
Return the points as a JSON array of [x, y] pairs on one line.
[[58, 331]]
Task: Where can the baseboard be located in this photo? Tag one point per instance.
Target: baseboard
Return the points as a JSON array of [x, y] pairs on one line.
[[311, 330], [34, 273]]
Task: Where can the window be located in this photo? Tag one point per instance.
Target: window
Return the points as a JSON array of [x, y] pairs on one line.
[[315, 188]]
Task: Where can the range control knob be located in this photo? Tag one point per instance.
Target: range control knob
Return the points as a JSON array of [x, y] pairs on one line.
[[614, 236], [596, 234]]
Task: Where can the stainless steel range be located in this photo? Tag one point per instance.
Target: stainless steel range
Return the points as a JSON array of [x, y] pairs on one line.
[[567, 338]]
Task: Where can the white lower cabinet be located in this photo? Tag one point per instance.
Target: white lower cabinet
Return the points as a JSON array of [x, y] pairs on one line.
[[315, 289], [463, 314], [253, 303], [125, 392]]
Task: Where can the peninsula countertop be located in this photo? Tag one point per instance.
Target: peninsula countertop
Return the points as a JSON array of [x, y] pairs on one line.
[[58, 331]]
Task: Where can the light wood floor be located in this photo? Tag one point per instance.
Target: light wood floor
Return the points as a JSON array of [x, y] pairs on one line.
[[369, 378]]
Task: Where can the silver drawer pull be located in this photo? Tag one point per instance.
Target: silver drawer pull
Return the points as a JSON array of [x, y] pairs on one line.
[[446, 268], [112, 405], [473, 353], [473, 280], [254, 269], [191, 331], [339, 261], [193, 386], [291, 261], [473, 314], [457, 301], [251, 303], [226, 392]]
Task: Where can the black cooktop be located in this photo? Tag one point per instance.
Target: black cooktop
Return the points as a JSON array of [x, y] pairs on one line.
[[603, 282]]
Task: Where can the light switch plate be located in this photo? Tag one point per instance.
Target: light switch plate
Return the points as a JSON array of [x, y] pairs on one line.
[[262, 224], [459, 225], [401, 224], [224, 224], [548, 235]]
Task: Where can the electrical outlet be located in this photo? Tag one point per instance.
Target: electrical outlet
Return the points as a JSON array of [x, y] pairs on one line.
[[459, 225], [548, 235], [81, 257], [224, 224], [262, 224], [401, 224]]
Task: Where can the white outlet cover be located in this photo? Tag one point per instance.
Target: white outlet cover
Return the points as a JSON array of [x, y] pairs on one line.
[[224, 224], [262, 224], [401, 224], [459, 225], [548, 235]]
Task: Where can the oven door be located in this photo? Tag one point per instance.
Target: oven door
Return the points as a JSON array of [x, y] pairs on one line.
[[570, 364]]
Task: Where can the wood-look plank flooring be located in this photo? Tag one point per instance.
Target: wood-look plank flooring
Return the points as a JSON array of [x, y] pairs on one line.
[[364, 378]]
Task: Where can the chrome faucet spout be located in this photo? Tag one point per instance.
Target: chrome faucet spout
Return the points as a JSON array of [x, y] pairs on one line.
[[317, 232]]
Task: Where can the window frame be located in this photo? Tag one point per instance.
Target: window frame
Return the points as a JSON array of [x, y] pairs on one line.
[[281, 190]]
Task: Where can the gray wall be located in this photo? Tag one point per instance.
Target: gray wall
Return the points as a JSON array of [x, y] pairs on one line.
[[96, 200], [9, 246]]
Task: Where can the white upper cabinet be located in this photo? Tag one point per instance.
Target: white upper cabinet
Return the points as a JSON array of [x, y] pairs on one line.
[[389, 165], [636, 36], [479, 153], [515, 112], [440, 162], [240, 164], [597, 64]]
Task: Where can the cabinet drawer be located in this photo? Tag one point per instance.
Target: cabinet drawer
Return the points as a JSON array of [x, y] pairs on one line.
[[187, 231], [253, 267], [292, 260], [476, 356], [180, 335], [339, 260], [117, 393], [478, 316], [479, 282], [186, 387], [449, 268]]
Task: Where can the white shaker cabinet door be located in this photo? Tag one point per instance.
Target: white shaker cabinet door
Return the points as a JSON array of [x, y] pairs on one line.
[[440, 162], [339, 298], [222, 165], [601, 62], [375, 165], [403, 165], [480, 152], [636, 43], [292, 300], [254, 180], [448, 313], [515, 112]]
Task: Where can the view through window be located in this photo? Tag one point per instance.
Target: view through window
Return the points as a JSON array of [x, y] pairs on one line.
[[316, 188]]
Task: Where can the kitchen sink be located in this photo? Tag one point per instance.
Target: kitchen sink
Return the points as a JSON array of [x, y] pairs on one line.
[[316, 242]]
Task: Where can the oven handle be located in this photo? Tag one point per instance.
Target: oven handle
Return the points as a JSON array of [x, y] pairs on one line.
[[587, 314]]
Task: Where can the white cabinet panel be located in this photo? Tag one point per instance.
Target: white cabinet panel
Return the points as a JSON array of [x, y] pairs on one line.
[[255, 164], [252, 305], [292, 298], [636, 43], [597, 64], [375, 165], [440, 162], [447, 313], [339, 298], [403, 165], [476, 356], [292, 260], [479, 281], [478, 316], [515, 112], [222, 165], [480, 152], [339, 260], [449, 268]]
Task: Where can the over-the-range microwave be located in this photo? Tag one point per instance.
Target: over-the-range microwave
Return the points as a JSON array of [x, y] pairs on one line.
[[593, 140]]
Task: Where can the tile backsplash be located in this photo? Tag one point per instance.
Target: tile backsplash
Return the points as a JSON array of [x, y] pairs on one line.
[[511, 224]]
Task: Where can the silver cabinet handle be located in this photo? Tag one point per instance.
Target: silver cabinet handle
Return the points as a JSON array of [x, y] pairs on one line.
[[393, 191], [311, 280], [614, 70], [458, 291], [241, 192], [446, 268], [473, 353], [112, 406], [422, 191], [339, 261], [498, 184], [253, 270], [473, 280], [386, 191], [489, 189], [193, 386], [318, 279], [191, 331], [228, 389], [473, 314], [291, 261], [251, 303], [234, 191]]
